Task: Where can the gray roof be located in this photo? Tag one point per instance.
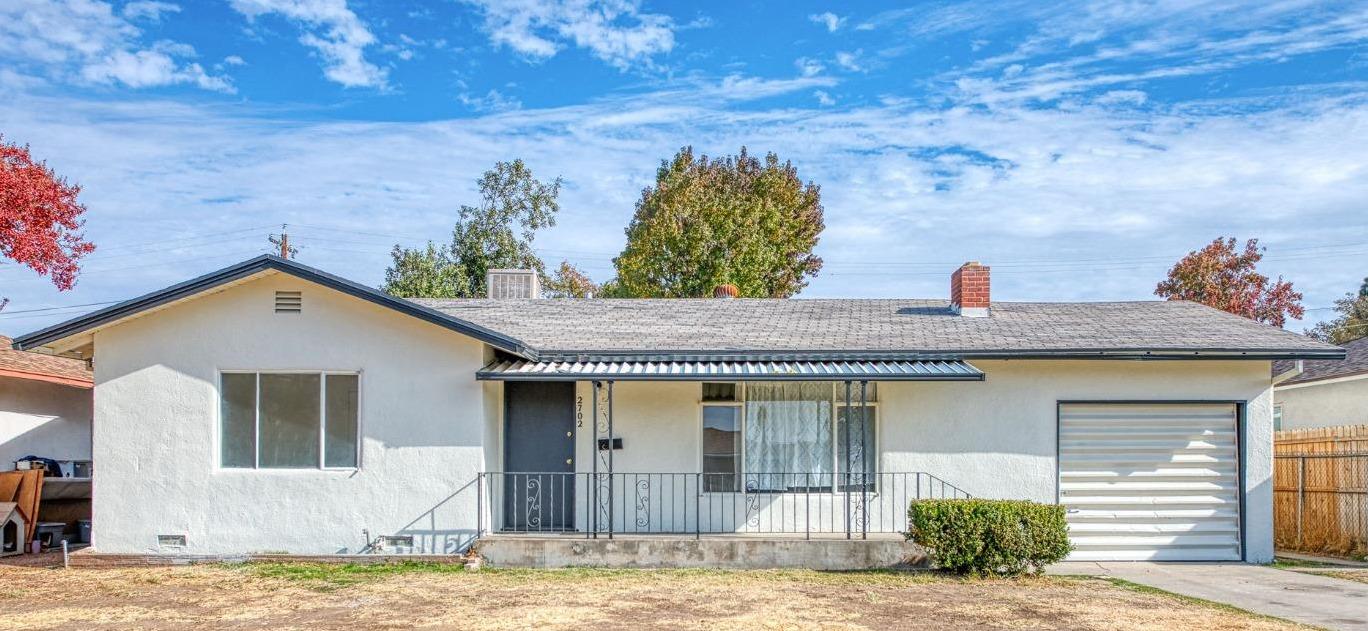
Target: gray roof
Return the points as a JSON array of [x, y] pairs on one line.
[[778, 330], [870, 329], [1355, 362]]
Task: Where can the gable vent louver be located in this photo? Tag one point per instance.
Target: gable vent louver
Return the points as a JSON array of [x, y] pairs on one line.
[[289, 301], [513, 283]]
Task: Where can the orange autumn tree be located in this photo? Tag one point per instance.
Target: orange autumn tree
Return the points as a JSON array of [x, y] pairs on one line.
[[40, 218], [1223, 276]]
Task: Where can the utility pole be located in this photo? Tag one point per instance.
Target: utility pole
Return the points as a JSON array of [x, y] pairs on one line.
[[283, 241]]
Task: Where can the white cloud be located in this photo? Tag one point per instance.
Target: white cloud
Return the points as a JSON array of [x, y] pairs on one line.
[[830, 20], [614, 31], [150, 68], [234, 60], [823, 98], [492, 101], [86, 41], [1073, 49], [333, 30], [1122, 97], [921, 185], [148, 9], [850, 60], [808, 66]]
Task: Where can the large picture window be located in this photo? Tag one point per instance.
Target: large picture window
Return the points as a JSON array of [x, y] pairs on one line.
[[288, 420], [792, 436]]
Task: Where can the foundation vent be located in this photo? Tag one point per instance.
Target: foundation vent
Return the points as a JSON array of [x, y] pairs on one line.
[[289, 301], [170, 541], [395, 543]]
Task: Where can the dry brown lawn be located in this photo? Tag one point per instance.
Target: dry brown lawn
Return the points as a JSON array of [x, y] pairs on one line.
[[445, 597], [1360, 576]]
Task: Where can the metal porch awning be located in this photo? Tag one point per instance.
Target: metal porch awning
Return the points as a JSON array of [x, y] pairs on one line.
[[917, 370]]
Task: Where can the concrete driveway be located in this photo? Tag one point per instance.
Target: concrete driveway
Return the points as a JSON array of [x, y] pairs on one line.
[[1332, 603]]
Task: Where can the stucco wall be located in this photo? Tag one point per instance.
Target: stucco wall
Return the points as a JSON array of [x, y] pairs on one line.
[[1323, 404], [993, 439], [997, 438], [43, 419], [156, 427], [427, 426]]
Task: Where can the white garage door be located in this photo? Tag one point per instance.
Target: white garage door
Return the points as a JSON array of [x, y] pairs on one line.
[[1150, 481]]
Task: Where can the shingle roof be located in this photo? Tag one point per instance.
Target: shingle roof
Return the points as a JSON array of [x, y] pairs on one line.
[[714, 327], [26, 365], [1355, 362], [765, 330]]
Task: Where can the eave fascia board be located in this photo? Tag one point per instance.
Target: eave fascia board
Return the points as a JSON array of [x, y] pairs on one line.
[[1322, 381], [855, 355], [262, 263], [60, 380]]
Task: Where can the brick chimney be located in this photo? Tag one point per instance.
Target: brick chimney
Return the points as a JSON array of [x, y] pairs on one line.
[[969, 290]]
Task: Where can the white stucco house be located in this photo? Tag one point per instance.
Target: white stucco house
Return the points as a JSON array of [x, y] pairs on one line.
[[270, 406], [45, 407], [1323, 393]]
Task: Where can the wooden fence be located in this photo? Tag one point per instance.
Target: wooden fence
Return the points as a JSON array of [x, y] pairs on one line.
[[1320, 490]]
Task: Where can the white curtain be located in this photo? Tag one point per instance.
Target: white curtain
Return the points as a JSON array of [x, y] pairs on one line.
[[788, 435]]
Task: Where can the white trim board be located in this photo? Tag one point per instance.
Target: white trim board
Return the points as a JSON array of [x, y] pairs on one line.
[[1321, 382]]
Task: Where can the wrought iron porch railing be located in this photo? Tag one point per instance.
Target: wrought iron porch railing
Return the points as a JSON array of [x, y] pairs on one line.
[[605, 504]]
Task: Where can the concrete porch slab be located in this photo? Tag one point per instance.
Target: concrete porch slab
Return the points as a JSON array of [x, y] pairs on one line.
[[709, 552]]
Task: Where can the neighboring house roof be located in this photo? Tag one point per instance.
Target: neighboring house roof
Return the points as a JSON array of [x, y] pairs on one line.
[[1355, 363], [869, 329], [784, 329], [39, 367]]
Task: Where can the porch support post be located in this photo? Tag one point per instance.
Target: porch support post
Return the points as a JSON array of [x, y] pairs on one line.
[[610, 459], [847, 458], [594, 456], [864, 457]]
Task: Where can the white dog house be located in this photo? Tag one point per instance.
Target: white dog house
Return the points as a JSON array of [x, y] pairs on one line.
[[12, 528]]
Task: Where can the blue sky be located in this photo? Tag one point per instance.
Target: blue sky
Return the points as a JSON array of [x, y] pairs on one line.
[[1079, 148]]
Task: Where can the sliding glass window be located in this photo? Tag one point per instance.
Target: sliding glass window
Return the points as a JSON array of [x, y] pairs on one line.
[[288, 420]]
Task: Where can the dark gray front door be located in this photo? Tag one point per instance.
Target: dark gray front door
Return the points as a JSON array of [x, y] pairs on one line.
[[539, 452]]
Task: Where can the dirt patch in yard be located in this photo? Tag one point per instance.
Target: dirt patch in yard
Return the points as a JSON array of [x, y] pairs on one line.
[[446, 597]]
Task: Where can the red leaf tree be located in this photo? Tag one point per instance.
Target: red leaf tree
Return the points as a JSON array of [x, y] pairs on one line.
[[1221, 276], [40, 218]]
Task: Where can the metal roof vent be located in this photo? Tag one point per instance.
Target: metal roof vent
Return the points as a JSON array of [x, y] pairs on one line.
[[513, 283], [289, 301]]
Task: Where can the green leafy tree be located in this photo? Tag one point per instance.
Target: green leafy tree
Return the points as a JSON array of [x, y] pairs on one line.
[[739, 219], [1352, 322], [569, 282], [424, 273], [498, 233]]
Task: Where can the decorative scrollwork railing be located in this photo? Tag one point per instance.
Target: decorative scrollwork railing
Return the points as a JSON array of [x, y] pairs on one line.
[[603, 504]]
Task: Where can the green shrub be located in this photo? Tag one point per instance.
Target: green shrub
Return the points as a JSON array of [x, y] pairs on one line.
[[1007, 537]]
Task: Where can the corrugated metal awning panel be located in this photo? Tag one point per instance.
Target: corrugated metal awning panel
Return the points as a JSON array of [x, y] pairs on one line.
[[923, 370]]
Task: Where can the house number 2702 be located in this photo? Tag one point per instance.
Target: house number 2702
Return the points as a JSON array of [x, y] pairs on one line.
[[579, 410]]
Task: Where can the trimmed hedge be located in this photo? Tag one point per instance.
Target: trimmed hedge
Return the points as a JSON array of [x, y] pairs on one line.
[[1007, 537]]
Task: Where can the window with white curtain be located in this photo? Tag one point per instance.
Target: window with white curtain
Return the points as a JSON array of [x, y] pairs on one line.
[[288, 420], [794, 435]]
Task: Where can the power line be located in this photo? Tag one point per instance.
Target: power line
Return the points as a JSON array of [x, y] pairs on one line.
[[88, 304], [121, 246]]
